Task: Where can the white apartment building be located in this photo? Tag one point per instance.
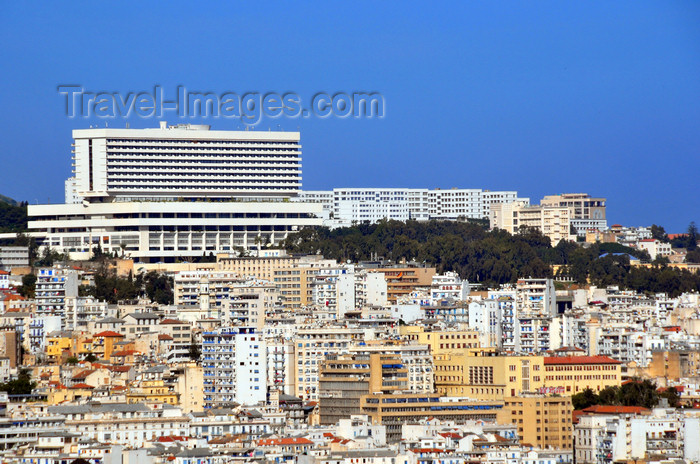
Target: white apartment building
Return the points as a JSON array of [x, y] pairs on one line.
[[667, 434], [13, 256], [448, 286], [586, 212], [344, 289], [655, 248], [506, 300], [552, 221], [311, 346], [174, 192], [234, 361], [132, 425], [81, 310], [536, 296], [344, 206], [486, 317], [53, 286]]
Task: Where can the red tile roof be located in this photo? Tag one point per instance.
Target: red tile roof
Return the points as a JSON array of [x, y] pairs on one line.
[[551, 360], [124, 353], [81, 386], [83, 374], [108, 333], [171, 321], [604, 409], [170, 439], [284, 441], [164, 337]]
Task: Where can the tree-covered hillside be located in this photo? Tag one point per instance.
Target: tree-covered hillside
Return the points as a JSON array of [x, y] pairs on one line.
[[489, 257], [13, 215]]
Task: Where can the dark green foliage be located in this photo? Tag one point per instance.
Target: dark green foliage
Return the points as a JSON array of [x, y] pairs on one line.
[[28, 286], [491, 258], [49, 257], [672, 395], [693, 256], [195, 352], [692, 237], [642, 393], [159, 288], [13, 218], [111, 288], [689, 240], [585, 399], [467, 248], [659, 233], [22, 385]]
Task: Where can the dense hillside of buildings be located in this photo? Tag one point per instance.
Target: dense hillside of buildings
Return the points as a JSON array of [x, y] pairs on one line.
[[190, 304]]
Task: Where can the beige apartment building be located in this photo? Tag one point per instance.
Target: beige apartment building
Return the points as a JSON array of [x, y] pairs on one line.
[[292, 274], [441, 341], [552, 221], [543, 421], [587, 212], [344, 379], [483, 374], [401, 281]]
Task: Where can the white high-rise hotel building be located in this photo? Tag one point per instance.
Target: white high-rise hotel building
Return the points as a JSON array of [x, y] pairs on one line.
[[176, 191]]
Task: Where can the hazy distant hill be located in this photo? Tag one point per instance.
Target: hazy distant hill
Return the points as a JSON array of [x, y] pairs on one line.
[[13, 215], [8, 200]]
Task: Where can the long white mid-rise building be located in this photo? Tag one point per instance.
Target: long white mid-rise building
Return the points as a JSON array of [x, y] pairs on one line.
[[345, 206], [176, 192]]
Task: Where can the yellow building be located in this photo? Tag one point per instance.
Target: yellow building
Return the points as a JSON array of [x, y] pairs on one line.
[[105, 343], [543, 421], [399, 408], [56, 343], [674, 364], [483, 374], [441, 341], [568, 375], [151, 391]]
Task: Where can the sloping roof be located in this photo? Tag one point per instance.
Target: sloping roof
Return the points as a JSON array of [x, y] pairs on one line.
[[604, 409], [83, 374], [108, 333], [172, 321], [124, 353], [142, 315], [284, 441], [550, 360], [83, 386]]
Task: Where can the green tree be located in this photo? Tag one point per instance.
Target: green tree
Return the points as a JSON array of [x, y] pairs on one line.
[[28, 286], [692, 237], [585, 399], [22, 385], [672, 395], [195, 351], [659, 233], [693, 256]]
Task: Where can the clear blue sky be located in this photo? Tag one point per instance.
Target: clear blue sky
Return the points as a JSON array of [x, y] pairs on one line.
[[541, 97]]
